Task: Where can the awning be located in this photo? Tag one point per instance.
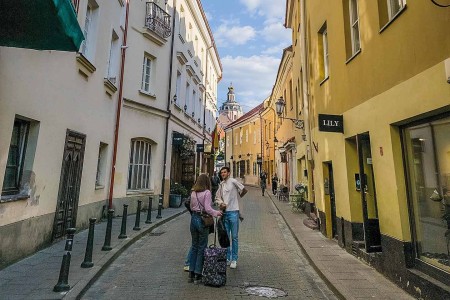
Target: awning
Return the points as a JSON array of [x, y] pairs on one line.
[[40, 25]]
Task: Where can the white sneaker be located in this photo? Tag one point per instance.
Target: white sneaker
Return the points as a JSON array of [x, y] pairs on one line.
[[233, 264], [186, 268], [228, 262]]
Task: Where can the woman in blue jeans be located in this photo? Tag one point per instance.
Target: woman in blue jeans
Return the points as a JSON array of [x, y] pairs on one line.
[[200, 201]]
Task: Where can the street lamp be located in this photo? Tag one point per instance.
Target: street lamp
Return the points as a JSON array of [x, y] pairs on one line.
[[280, 105]]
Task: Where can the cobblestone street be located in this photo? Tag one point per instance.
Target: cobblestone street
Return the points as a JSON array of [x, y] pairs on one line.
[[269, 256]]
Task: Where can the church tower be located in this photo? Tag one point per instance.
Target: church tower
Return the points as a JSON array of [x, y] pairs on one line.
[[230, 109]]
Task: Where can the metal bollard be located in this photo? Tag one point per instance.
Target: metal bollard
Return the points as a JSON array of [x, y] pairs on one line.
[[63, 279], [107, 243], [123, 228], [160, 204], [138, 216], [87, 263], [149, 211]]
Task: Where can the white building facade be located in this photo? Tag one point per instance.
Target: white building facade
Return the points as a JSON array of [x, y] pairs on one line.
[[72, 123]]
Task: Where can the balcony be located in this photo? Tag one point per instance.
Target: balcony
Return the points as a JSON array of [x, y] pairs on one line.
[[157, 20]]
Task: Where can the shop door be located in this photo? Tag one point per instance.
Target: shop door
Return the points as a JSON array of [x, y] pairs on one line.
[[372, 235], [69, 184], [332, 201]]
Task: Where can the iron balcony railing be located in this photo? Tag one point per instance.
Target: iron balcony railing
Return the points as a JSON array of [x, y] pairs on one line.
[[76, 4], [157, 20]]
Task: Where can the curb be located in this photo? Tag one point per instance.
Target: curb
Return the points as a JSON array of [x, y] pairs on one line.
[[337, 293], [82, 286]]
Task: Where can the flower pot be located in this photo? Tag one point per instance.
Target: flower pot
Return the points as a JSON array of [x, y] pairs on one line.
[[174, 200]]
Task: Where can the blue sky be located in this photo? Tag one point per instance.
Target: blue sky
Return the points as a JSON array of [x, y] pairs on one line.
[[250, 37]]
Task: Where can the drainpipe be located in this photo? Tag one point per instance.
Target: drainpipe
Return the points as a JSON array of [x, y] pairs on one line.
[[305, 76], [168, 97], [204, 107], [119, 108]]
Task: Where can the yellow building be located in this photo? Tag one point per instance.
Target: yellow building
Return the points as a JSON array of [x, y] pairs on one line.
[[243, 148], [376, 106]]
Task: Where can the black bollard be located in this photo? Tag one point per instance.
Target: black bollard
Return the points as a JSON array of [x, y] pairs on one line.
[[87, 263], [149, 211], [123, 228], [138, 216], [160, 204], [107, 244], [63, 279]]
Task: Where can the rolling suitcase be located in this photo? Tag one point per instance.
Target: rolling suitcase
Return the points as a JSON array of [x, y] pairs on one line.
[[215, 265]]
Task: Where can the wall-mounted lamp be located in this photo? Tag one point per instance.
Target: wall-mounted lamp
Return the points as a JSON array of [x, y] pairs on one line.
[[193, 114], [267, 145], [174, 99], [280, 105], [198, 120], [185, 107]]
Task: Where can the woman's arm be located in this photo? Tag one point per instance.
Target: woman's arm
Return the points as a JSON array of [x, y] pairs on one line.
[[208, 207]]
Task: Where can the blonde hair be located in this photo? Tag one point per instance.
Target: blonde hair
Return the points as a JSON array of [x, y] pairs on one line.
[[202, 183]]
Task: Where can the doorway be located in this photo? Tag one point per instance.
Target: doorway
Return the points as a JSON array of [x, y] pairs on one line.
[[69, 184], [330, 194], [371, 224]]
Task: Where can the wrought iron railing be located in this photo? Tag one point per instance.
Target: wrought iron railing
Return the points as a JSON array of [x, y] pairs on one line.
[[76, 4], [157, 20]]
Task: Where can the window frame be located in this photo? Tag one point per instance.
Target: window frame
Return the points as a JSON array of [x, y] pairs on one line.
[[142, 167], [150, 60], [354, 26], [22, 142]]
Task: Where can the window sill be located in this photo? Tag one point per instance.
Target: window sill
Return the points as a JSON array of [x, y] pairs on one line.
[[109, 86], [148, 94], [393, 19], [177, 106], [353, 56], [139, 192], [325, 79], [13, 198], [99, 187], [86, 68]]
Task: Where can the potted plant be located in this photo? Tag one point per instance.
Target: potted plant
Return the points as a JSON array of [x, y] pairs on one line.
[[177, 193]]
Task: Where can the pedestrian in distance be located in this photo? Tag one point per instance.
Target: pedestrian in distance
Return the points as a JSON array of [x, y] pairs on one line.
[[274, 183], [228, 195], [200, 203], [263, 181], [215, 181]]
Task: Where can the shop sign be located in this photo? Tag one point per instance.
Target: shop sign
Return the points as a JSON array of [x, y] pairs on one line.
[[331, 123], [200, 148]]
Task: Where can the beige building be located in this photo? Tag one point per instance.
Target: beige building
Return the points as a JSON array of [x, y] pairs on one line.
[[375, 95], [67, 118]]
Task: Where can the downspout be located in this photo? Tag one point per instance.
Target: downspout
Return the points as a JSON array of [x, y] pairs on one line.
[[204, 106], [169, 98], [305, 76], [261, 142], [119, 109]]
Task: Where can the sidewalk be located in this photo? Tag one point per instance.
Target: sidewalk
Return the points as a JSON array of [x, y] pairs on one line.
[[34, 277], [347, 276]]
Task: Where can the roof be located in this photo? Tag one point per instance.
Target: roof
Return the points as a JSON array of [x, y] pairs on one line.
[[247, 116]]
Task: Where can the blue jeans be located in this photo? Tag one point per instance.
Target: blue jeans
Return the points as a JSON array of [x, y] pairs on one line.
[[199, 234], [188, 257], [231, 222]]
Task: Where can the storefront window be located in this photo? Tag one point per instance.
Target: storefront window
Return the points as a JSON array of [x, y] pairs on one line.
[[428, 160]]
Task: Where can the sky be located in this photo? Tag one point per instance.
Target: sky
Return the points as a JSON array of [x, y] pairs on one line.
[[250, 38]]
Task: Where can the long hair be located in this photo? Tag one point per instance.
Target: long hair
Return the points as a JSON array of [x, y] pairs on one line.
[[202, 183]]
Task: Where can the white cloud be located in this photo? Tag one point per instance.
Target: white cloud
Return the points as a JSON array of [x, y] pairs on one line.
[[266, 8], [252, 77], [276, 32], [227, 34]]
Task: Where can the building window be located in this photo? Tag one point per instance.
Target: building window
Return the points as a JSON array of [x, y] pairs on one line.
[[101, 165], [89, 32], [394, 7], [427, 154], [354, 25], [388, 10], [248, 167], [113, 65], [147, 74], [323, 52], [139, 169], [16, 157], [254, 168], [246, 135], [254, 137], [236, 140]]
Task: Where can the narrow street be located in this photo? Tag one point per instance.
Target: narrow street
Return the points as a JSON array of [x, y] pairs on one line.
[[269, 256]]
